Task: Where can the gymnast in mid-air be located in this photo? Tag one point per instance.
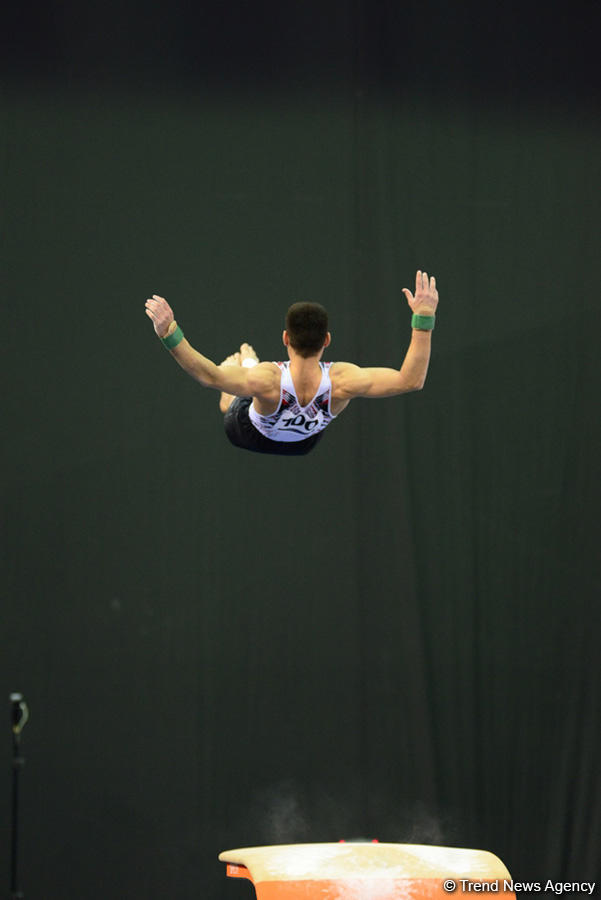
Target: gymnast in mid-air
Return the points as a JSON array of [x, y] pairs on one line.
[[284, 407]]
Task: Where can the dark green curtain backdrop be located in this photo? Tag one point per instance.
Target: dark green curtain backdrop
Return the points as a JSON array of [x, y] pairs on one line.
[[397, 636]]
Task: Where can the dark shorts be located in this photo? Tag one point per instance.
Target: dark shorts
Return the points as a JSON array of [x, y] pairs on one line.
[[242, 433]]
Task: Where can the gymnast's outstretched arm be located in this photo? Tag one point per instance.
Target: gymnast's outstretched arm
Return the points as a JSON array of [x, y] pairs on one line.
[[260, 381], [350, 381]]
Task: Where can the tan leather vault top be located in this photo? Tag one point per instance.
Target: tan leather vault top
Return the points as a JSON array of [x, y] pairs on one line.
[[297, 862]]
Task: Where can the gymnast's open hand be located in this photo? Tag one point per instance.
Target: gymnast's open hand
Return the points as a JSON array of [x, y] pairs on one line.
[[425, 301], [161, 314]]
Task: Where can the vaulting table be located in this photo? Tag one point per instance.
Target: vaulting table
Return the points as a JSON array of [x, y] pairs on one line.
[[366, 871]]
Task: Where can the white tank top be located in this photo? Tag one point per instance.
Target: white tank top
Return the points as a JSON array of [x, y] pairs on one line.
[[291, 421]]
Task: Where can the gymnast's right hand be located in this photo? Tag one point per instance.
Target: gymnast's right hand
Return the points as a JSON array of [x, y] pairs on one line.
[[161, 314]]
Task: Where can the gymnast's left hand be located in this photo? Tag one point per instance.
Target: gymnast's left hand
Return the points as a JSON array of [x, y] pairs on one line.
[[425, 301], [161, 314]]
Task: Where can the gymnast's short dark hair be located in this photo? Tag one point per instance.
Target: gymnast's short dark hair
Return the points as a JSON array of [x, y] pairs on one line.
[[307, 327]]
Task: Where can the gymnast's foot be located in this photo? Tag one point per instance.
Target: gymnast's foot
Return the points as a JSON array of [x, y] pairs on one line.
[[226, 399], [248, 356]]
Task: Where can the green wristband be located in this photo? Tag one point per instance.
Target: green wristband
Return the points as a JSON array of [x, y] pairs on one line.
[[174, 339], [423, 323]]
